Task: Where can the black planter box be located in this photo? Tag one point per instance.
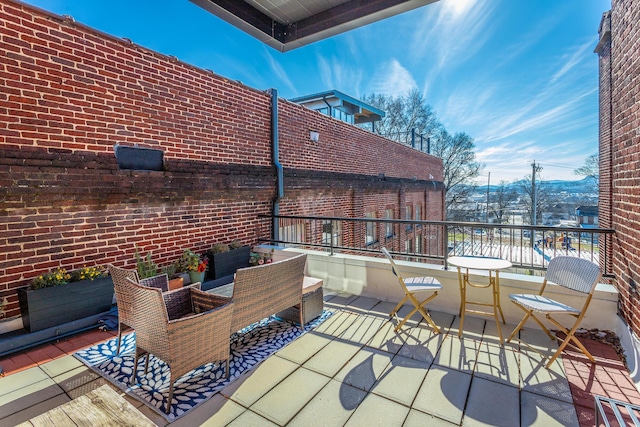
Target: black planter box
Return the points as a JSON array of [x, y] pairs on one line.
[[139, 158], [47, 307], [226, 263]]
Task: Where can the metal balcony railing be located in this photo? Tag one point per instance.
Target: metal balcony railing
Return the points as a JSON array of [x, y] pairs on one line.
[[526, 246]]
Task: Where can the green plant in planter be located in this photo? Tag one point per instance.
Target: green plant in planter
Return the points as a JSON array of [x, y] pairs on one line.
[[194, 261], [3, 305], [219, 248], [60, 276], [145, 265], [59, 297], [182, 263], [170, 270], [235, 244]]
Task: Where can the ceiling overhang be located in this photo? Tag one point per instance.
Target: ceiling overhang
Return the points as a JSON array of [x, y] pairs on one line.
[[295, 23]]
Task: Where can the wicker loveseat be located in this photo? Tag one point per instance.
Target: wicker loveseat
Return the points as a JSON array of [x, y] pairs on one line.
[[262, 291]]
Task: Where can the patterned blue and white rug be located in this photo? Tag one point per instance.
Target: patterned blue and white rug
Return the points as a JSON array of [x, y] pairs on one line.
[[249, 347]]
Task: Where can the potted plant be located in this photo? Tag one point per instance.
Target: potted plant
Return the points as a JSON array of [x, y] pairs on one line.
[[59, 297], [145, 265], [197, 266], [259, 258], [225, 259], [175, 280], [182, 268]]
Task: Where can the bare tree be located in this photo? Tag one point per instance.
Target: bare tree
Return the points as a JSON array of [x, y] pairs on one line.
[[403, 115], [500, 200], [460, 167], [591, 170], [542, 197], [411, 112]]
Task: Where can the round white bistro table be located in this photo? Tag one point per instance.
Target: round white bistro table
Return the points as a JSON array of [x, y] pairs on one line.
[[493, 266]]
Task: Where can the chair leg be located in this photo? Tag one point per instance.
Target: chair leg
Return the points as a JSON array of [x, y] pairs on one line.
[[408, 316], [119, 337], [146, 363], [301, 317], [425, 314], [400, 304], [429, 320], [134, 374], [529, 313], [226, 371], [520, 325], [570, 337], [170, 398]]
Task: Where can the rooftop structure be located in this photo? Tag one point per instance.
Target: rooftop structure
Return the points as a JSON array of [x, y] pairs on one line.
[[343, 107]]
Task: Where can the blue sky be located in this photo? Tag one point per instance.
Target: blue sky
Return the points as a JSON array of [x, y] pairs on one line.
[[520, 77]]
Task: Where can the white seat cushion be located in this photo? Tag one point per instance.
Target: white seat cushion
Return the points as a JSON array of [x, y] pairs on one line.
[[311, 284], [415, 284], [541, 304]]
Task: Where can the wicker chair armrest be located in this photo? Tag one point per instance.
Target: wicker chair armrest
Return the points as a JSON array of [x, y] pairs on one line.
[[197, 285], [178, 302], [161, 281], [203, 301]]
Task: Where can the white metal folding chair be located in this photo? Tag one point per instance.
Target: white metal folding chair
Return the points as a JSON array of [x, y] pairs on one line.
[[573, 273], [411, 286]]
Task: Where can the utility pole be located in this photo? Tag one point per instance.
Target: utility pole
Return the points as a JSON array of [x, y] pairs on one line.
[[534, 193]]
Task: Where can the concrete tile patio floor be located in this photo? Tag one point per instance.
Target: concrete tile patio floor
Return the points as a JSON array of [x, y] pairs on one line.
[[354, 370]]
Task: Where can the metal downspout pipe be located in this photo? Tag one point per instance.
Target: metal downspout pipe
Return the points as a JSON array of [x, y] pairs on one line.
[[275, 154]]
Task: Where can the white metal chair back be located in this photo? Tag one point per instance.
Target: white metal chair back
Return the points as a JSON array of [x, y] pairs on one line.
[[573, 273], [394, 267]]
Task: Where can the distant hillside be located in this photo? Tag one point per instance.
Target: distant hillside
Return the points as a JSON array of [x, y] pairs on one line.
[[581, 186]]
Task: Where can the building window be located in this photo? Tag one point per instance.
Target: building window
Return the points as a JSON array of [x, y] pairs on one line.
[[371, 229], [418, 214], [388, 214], [408, 215], [419, 244], [332, 233], [292, 234], [407, 246]]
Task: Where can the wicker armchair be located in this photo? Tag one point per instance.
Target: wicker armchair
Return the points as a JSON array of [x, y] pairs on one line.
[[186, 328], [124, 299]]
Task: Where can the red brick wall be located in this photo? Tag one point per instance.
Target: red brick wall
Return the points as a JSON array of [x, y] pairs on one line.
[[68, 93], [621, 151], [603, 49], [344, 148]]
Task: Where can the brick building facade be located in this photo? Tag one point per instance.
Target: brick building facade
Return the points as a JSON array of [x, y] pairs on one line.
[[69, 93], [619, 56]]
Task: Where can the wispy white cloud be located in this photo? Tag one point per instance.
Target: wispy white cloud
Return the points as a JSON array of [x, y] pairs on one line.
[[503, 164], [391, 78], [526, 120], [524, 41], [337, 74], [572, 60], [457, 30], [278, 70]]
